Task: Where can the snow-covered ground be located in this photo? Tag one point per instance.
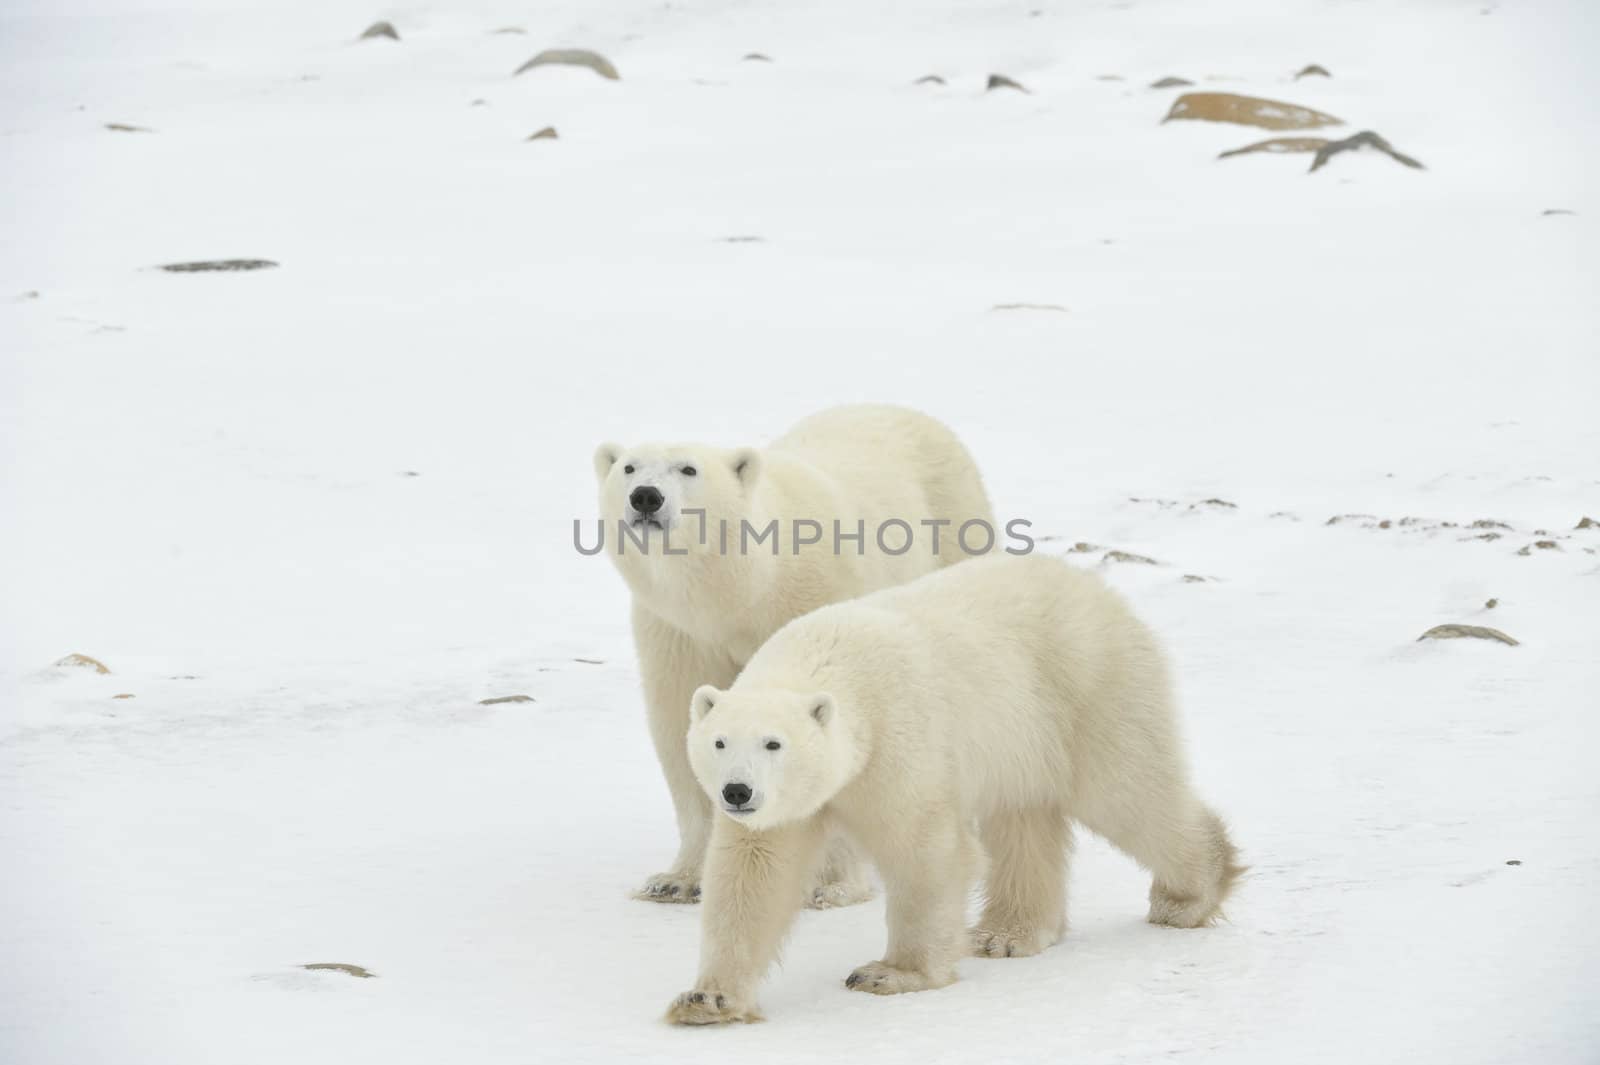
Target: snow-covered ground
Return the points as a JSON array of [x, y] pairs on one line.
[[310, 516]]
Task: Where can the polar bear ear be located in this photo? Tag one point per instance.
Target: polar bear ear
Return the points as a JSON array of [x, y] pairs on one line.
[[822, 708], [605, 457], [704, 701], [746, 464]]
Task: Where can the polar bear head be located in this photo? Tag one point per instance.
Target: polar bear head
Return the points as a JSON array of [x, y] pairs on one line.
[[767, 757], [647, 490]]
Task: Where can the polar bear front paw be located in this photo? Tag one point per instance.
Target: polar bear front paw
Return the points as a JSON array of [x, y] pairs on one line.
[[878, 978], [1006, 942], [709, 1007], [840, 893], [670, 887]]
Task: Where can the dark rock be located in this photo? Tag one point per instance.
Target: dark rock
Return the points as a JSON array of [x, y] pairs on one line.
[[1000, 81], [380, 29], [1170, 83], [1364, 139], [218, 264], [1315, 68]]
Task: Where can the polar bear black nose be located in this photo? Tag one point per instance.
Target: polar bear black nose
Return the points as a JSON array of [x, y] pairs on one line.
[[646, 499], [736, 794]]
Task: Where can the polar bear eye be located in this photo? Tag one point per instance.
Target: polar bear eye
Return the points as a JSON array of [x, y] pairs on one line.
[[688, 471], [773, 745], [720, 745], [627, 469]]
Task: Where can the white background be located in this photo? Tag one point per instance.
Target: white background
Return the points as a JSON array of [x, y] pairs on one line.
[[205, 486]]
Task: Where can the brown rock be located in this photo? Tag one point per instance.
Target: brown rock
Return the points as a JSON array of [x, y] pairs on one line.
[[77, 661], [342, 967], [123, 695], [1279, 146], [1170, 83], [571, 57], [380, 29], [1128, 556], [1490, 604], [1247, 111], [547, 134], [1477, 632], [1587, 523]]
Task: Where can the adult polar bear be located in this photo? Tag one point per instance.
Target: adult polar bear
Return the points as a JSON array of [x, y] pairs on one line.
[[1011, 694], [699, 616]]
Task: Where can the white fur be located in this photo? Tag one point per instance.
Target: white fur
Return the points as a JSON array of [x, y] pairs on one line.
[[1009, 695], [699, 616]]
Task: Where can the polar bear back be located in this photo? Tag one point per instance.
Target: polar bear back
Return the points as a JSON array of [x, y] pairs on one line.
[[888, 463], [1010, 681]]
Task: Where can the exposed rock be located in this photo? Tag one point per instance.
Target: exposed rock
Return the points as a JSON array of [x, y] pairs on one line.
[[123, 695], [1340, 519], [1542, 545], [1279, 146], [380, 29], [1000, 81], [218, 264], [1247, 111], [77, 661], [1216, 503], [1490, 604], [1489, 536], [1128, 556], [1477, 632], [547, 134], [341, 967], [571, 57], [1314, 68], [591, 661], [1488, 523], [1194, 578], [1364, 139], [1170, 83], [1083, 547], [756, 57], [1028, 307], [929, 79], [1583, 523], [123, 127], [497, 700]]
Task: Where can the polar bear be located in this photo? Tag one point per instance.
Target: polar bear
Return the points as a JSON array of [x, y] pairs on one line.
[[712, 577], [1011, 695]]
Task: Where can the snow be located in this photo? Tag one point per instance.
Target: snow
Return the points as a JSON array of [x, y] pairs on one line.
[[310, 516]]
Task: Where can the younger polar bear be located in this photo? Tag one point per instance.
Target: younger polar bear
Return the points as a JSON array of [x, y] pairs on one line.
[[721, 548], [1012, 695]]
